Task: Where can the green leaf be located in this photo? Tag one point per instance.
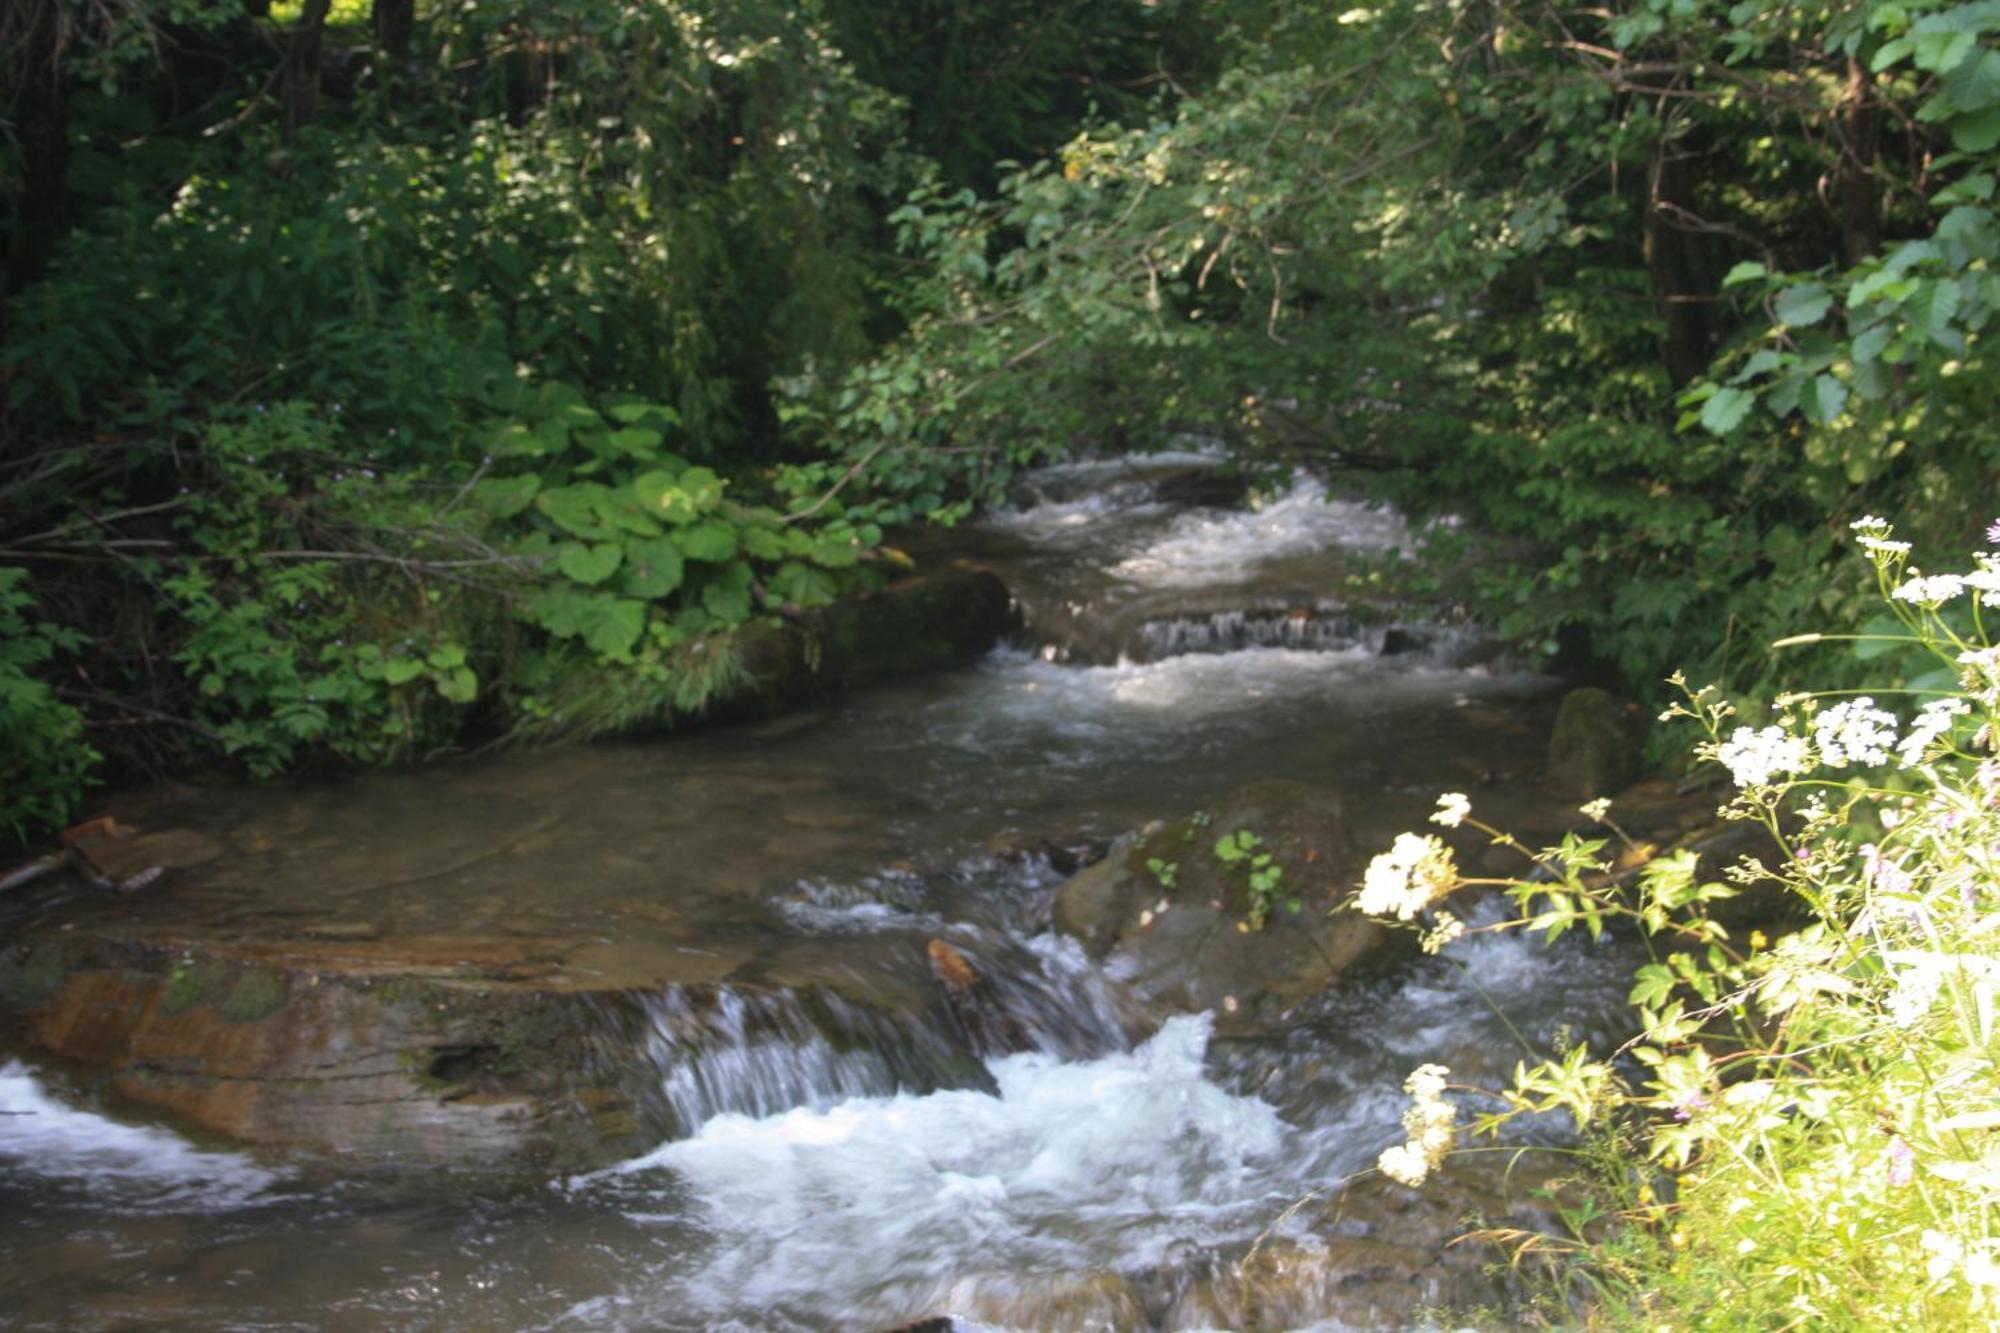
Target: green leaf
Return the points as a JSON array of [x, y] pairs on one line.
[[638, 441], [1824, 398], [678, 497], [1747, 271], [1726, 410], [802, 585], [590, 564], [653, 567], [459, 685], [504, 497], [726, 594], [574, 509], [611, 625], [402, 670], [1977, 132], [1804, 305], [711, 539]]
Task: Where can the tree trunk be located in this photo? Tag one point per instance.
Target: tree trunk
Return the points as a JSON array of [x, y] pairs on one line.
[[394, 22], [1860, 142], [1678, 261], [39, 109], [302, 73]]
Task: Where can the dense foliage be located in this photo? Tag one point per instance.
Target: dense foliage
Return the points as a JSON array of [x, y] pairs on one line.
[[374, 373]]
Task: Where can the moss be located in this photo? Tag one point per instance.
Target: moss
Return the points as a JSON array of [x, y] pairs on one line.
[[191, 982], [31, 980], [255, 993]]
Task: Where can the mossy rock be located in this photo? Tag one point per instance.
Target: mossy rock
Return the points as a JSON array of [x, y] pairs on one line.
[[1193, 946], [1596, 747]]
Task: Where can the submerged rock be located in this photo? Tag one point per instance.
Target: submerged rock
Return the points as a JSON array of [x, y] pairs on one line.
[[1175, 920]]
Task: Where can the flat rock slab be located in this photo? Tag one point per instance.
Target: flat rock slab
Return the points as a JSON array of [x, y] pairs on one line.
[[424, 964]]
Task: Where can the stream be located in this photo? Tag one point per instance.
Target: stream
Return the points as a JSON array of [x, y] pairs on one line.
[[842, 1169]]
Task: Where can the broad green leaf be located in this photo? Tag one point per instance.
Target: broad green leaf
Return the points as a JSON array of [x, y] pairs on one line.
[[711, 539], [459, 685], [574, 509], [726, 593], [763, 542], [1726, 410], [402, 670], [1933, 306], [800, 584], [638, 441], [1804, 305], [611, 625], [1824, 398], [504, 497], [1976, 132], [653, 567], [590, 564], [1747, 271]]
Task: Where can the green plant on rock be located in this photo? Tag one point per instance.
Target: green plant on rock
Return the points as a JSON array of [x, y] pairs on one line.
[[1264, 877]]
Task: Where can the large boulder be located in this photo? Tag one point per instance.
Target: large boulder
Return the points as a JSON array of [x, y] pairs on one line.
[[1175, 920], [1596, 747]]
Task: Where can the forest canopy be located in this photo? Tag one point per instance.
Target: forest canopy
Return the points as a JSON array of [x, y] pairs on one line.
[[380, 377]]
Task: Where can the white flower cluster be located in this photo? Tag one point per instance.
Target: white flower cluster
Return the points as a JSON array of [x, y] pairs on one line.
[[1754, 758], [1430, 1124], [1932, 721], [1412, 874], [1854, 732], [1951, 1258], [1917, 987], [1452, 809], [1447, 929], [1930, 590], [1873, 535]]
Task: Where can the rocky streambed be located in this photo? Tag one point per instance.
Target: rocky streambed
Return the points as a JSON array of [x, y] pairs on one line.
[[886, 1008]]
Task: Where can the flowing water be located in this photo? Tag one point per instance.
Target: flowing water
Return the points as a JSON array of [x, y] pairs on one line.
[[826, 1163]]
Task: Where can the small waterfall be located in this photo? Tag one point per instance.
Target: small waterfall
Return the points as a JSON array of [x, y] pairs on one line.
[[1232, 631], [703, 1052]]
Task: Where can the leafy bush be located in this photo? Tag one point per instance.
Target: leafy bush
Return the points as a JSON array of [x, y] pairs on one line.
[[41, 737]]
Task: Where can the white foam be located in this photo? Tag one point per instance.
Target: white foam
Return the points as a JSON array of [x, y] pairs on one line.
[[1212, 547], [1066, 1166], [129, 1164]]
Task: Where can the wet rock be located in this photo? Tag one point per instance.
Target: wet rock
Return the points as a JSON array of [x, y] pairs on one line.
[[128, 858], [926, 623], [1595, 748], [1379, 1254], [1188, 945], [951, 967], [404, 1069]]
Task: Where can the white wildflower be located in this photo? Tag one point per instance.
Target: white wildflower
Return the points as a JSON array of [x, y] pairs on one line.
[[1931, 590], [1452, 809], [1917, 988], [1872, 534], [1413, 873], [1447, 929], [1430, 1125], [1932, 721], [1753, 758], [1595, 810], [1986, 580], [1854, 732]]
